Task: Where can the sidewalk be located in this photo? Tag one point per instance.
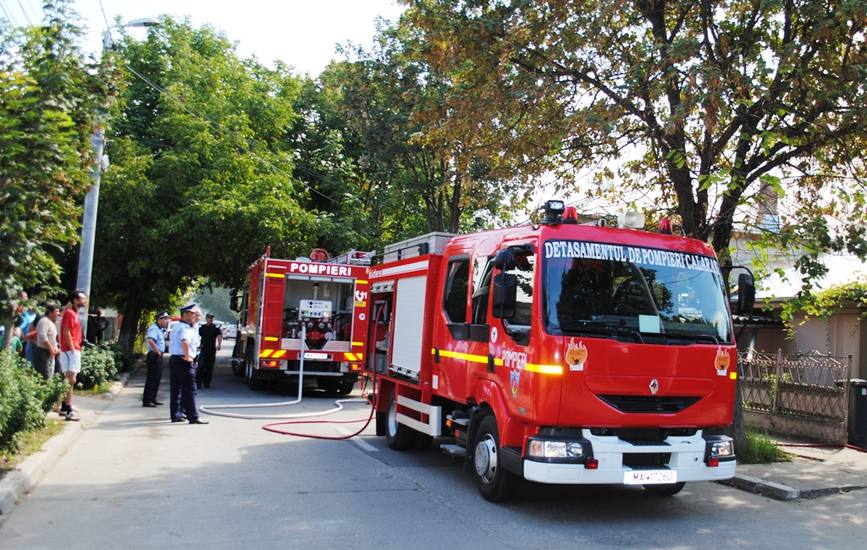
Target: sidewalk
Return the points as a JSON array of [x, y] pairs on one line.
[[29, 472], [813, 472]]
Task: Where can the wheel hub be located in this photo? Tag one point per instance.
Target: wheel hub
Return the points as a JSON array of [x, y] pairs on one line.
[[486, 458]]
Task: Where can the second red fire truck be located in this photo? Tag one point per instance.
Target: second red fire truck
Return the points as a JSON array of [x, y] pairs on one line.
[[315, 308], [561, 353]]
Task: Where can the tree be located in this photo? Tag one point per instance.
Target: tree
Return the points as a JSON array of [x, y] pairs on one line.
[[709, 101], [417, 178], [48, 96], [202, 175]]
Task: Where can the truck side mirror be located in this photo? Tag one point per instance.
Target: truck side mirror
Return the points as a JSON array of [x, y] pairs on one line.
[[504, 260], [746, 294], [505, 295], [235, 301]]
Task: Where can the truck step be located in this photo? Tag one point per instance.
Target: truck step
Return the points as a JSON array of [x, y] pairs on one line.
[[452, 450]]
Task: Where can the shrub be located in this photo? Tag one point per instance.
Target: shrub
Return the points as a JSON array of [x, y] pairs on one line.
[[24, 398], [761, 449], [97, 366]]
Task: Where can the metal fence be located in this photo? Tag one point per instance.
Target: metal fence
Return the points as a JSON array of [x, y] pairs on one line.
[[811, 386]]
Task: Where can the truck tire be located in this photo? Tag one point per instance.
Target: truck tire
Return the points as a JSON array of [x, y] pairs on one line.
[[328, 385], [667, 490], [495, 483], [344, 387], [398, 436], [253, 382]]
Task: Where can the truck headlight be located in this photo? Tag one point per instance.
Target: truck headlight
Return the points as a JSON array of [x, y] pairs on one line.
[[722, 449], [552, 448], [574, 449]]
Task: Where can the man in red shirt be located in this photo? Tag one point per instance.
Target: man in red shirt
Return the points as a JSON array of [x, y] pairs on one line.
[[70, 348]]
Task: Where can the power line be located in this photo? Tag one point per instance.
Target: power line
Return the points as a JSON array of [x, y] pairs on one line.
[[26, 16], [104, 16], [8, 14]]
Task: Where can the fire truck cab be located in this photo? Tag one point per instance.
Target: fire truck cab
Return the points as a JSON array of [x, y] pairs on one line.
[[326, 302], [559, 352]]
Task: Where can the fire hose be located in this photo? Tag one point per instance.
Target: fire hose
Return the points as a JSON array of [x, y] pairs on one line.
[[297, 417]]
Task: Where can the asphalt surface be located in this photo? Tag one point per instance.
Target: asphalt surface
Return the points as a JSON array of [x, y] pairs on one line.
[[135, 480]]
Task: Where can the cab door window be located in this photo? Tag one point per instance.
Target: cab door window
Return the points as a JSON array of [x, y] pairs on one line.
[[455, 296], [518, 326]]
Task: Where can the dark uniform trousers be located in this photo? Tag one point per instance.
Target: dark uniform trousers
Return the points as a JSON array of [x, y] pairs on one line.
[[154, 362], [205, 367], [183, 388]]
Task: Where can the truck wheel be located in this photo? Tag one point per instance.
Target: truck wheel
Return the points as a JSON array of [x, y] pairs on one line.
[[344, 387], [398, 436], [328, 385], [252, 380], [667, 490], [495, 483]]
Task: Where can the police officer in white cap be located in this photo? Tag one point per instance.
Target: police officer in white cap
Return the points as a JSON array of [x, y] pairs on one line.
[[156, 344], [182, 347]]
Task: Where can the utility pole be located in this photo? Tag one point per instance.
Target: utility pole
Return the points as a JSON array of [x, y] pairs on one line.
[[91, 201]]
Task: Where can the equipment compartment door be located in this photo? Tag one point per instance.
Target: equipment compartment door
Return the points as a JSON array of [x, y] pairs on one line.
[[409, 325]]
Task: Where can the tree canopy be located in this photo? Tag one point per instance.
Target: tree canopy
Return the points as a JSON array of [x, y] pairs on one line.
[[48, 95], [202, 175], [700, 104]]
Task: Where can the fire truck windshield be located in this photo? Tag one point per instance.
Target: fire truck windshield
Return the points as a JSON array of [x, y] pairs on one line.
[[643, 294]]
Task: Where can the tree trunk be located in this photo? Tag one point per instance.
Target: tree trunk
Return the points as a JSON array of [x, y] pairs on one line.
[[130, 325]]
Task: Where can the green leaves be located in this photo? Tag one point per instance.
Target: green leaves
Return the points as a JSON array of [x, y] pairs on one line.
[[46, 105]]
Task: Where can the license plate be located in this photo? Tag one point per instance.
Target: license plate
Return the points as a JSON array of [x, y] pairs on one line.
[[649, 477]]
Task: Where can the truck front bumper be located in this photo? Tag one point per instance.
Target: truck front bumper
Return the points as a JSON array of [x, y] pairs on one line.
[[688, 459]]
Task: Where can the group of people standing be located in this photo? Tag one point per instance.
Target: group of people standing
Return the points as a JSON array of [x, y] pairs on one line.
[[54, 346], [192, 349]]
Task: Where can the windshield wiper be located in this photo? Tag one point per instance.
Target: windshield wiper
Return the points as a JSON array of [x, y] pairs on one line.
[[596, 327], [695, 336]]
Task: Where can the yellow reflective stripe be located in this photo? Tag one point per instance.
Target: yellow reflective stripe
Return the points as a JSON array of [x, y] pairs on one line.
[[275, 275], [467, 357], [278, 354], [271, 338], [733, 375], [529, 367], [360, 356], [360, 282], [544, 369], [350, 356], [266, 353], [356, 344]]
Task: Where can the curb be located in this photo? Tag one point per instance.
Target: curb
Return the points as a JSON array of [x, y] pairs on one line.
[[762, 487], [27, 475]]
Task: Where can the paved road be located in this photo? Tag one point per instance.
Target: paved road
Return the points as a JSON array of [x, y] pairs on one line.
[[137, 481]]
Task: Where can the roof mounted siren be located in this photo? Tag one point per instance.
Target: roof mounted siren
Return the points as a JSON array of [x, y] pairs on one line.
[[553, 212], [631, 219]]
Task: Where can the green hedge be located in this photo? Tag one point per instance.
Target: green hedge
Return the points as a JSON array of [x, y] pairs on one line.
[[99, 364], [25, 397]]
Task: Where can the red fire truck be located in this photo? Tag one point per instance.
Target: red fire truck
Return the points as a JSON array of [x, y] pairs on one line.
[[325, 301], [561, 353]]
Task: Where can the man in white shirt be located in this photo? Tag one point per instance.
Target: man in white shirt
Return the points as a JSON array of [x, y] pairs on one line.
[[183, 348]]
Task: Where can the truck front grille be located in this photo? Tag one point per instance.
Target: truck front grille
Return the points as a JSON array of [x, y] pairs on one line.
[[649, 404]]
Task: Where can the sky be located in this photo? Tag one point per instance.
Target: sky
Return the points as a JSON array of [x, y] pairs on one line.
[[301, 33]]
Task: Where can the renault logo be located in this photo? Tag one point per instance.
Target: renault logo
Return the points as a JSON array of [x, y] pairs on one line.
[[654, 386]]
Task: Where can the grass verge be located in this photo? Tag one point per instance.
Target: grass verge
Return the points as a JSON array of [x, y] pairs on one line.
[[30, 442], [761, 449]]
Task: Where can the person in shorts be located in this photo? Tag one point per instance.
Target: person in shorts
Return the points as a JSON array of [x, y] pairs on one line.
[[70, 348]]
